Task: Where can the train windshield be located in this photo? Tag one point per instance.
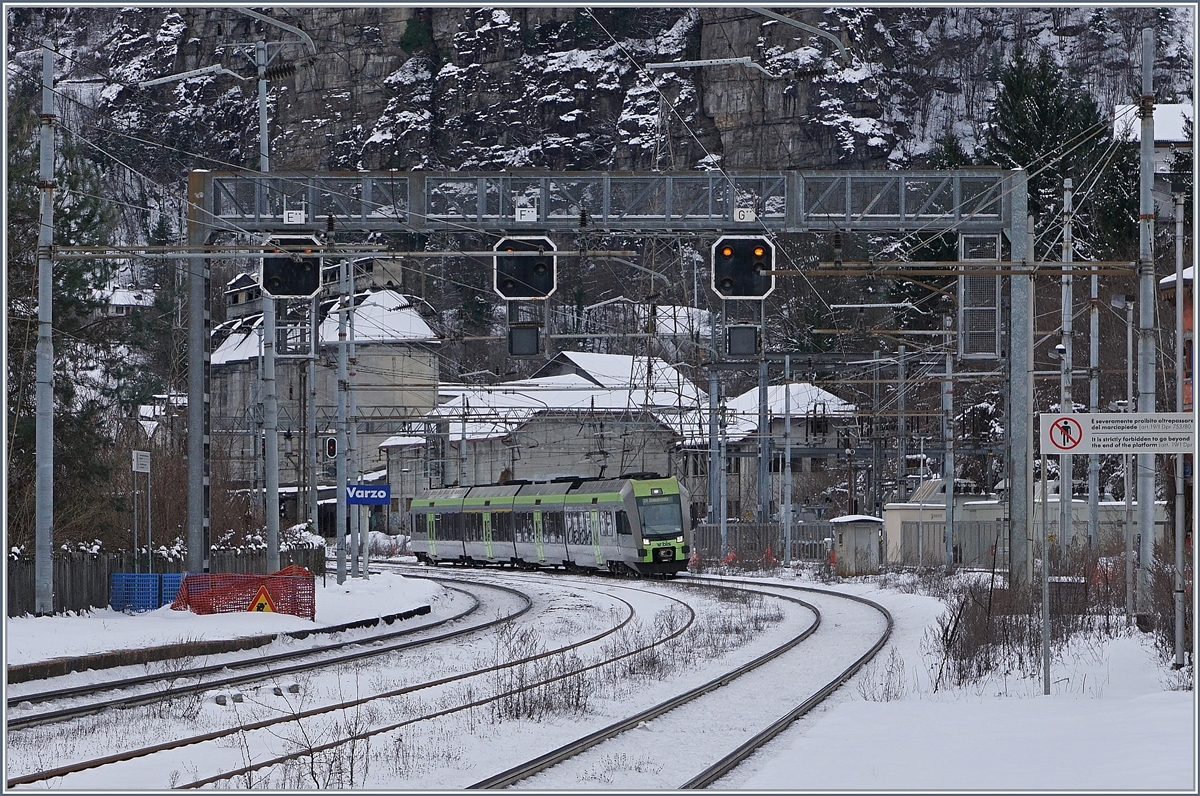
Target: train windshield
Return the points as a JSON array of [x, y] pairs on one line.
[[661, 517]]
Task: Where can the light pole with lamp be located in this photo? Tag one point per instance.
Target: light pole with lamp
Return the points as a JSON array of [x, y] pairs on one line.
[[197, 278]]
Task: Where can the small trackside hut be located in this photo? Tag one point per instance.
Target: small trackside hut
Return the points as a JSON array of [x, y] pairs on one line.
[[637, 524]]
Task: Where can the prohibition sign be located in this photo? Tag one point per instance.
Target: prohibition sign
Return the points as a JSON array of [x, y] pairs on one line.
[[1066, 433]]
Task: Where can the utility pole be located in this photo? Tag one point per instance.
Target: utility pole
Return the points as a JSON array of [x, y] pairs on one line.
[[901, 430], [1179, 376], [764, 427], [1020, 397], [352, 469], [43, 563], [343, 386], [714, 490], [873, 475], [1093, 407], [311, 421], [723, 481], [948, 436], [1147, 358], [270, 401], [1066, 402], [787, 460]]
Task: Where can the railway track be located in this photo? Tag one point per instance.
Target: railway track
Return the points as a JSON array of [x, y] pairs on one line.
[[586, 754], [192, 680], [540, 771], [154, 755]]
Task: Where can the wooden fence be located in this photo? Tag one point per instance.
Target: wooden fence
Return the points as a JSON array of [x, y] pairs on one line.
[[749, 541], [82, 582]]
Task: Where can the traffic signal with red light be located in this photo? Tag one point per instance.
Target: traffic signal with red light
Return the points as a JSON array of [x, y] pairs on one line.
[[291, 267], [331, 447], [741, 267], [525, 276]]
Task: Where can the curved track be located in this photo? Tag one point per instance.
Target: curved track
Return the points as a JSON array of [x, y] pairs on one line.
[[681, 719], [155, 755], [263, 666]]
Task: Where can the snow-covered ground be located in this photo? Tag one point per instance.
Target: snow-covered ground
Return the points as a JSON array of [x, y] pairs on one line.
[[1111, 722], [1114, 720], [29, 639]]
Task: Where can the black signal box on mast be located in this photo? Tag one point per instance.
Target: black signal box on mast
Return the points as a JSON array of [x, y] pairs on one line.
[[741, 267], [527, 276], [291, 267]]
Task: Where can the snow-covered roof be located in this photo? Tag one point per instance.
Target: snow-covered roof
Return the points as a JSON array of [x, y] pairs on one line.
[[126, 297], [1188, 273], [742, 412], [242, 343], [498, 410], [402, 441], [1169, 120], [668, 387], [243, 280], [855, 518], [384, 316]]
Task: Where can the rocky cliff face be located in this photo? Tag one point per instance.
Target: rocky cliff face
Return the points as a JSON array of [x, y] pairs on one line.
[[569, 88]]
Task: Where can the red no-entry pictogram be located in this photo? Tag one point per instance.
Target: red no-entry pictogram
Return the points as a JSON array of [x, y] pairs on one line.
[[1066, 434]]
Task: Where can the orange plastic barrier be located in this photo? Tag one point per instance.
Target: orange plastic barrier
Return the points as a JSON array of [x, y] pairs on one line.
[[291, 590]]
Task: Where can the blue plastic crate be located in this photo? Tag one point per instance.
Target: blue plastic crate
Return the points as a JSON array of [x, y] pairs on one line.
[[135, 591], [171, 581]]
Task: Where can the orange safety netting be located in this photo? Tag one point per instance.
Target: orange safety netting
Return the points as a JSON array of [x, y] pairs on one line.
[[291, 590]]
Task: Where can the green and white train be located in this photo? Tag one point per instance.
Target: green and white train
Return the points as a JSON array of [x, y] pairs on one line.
[[637, 524]]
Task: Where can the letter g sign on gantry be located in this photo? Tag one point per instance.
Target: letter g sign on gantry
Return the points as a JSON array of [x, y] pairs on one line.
[[741, 267]]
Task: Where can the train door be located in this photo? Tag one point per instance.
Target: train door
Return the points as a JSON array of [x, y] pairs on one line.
[[487, 536], [539, 543], [595, 527], [431, 529]]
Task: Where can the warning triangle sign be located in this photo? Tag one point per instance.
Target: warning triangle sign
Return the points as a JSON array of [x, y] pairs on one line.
[[262, 601]]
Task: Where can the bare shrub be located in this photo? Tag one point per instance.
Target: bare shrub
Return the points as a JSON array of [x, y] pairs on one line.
[[883, 682]]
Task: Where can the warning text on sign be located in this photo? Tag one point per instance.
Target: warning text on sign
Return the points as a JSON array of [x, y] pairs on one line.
[[1166, 432]]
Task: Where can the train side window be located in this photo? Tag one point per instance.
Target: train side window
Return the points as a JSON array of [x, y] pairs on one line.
[[473, 527], [623, 523], [502, 526], [552, 527], [523, 526], [578, 531], [606, 523]]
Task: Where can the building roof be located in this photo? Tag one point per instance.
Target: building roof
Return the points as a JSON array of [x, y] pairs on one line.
[[855, 518], [498, 410], [116, 296], [668, 387], [384, 316], [1188, 275], [741, 413]]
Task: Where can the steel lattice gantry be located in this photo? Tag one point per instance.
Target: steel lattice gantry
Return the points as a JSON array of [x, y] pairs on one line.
[[970, 200], [515, 202]]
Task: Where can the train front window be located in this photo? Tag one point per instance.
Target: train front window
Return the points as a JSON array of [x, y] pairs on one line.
[[661, 517]]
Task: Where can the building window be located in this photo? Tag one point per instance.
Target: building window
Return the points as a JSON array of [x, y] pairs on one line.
[[733, 464], [733, 509], [817, 465]]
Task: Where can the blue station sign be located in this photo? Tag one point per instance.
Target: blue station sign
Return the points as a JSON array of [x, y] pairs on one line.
[[368, 494]]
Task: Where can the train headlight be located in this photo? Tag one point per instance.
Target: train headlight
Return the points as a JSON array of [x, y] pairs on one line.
[[679, 539]]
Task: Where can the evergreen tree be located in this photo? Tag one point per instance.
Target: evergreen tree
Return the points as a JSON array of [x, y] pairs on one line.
[[1054, 130], [83, 431]]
